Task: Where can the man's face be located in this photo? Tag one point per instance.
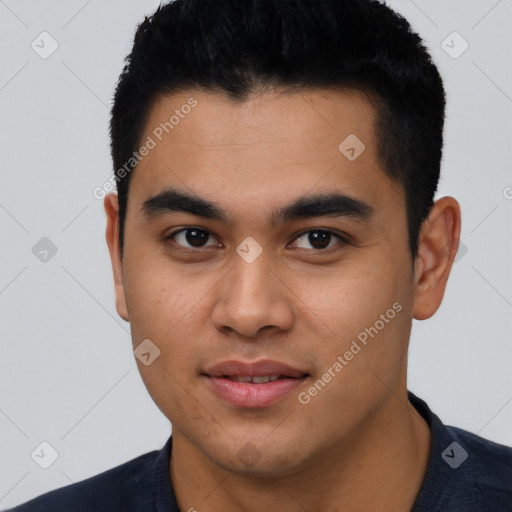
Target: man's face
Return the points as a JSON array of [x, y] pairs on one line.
[[319, 284]]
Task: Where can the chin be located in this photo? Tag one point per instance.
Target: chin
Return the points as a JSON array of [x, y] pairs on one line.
[[262, 458]]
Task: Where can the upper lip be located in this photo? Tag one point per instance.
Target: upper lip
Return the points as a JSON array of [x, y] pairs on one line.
[[253, 369]]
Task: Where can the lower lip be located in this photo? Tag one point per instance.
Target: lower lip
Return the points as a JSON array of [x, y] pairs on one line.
[[242, 394]]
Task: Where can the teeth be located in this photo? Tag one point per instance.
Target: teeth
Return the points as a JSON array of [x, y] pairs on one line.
[[261, 380], [255, 380]]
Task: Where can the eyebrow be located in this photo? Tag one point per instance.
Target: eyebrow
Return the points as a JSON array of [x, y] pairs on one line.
[[318, 205]]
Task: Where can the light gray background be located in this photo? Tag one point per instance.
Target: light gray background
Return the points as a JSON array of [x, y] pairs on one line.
[[68, 375]]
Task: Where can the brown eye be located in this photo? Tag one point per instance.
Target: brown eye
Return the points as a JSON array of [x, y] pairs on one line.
[[319, 239], [194, 237]]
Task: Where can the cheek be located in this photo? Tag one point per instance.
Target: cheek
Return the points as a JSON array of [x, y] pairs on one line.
[[369, 325], [364, 314], [166, 309], [158, 294], [171, 307], [349, 300]]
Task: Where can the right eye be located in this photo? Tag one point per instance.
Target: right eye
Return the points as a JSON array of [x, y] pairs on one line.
[[195, 237]]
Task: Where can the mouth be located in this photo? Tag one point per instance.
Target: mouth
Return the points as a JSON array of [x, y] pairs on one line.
[[262, 379], [253, 385]]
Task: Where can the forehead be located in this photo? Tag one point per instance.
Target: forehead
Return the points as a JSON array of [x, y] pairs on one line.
[[280, 117], [273, 145]]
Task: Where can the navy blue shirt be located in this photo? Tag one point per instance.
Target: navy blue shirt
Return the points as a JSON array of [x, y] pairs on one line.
[[465, 473]]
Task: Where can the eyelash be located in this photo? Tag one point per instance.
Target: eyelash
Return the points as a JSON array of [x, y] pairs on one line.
[[322, 251]]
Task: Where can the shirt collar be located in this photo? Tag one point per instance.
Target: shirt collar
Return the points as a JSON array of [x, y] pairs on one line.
[[436, 476], [165, 501]]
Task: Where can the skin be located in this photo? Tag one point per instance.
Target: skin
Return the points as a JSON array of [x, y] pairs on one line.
[[358, 445]]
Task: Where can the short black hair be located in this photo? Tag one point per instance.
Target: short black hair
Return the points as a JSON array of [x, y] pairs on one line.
[[242, 47]]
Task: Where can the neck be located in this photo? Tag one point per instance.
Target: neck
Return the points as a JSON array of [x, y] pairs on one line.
[[379, 468]]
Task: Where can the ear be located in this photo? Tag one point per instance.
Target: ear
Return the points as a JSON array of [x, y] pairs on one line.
[[112, 235], [437, 247]]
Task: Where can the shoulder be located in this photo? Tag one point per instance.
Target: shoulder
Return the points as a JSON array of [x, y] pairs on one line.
[[470, 473], [465, 471], [487, 465], [113, 490]]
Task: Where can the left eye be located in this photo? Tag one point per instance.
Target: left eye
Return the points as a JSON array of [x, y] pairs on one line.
[[318, 238]]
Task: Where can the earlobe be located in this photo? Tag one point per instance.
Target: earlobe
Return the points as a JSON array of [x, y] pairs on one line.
[[437, 248], [112, 236]]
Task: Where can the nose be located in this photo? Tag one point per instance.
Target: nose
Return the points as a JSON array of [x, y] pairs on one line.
[[252, 297]]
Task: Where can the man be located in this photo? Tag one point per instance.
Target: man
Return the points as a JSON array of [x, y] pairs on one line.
[[273, 236]]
